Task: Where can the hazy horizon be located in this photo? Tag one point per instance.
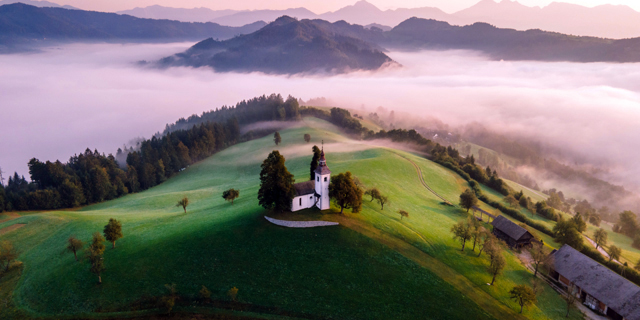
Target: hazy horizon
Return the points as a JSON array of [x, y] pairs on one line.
[[104, 100], [449, 6]]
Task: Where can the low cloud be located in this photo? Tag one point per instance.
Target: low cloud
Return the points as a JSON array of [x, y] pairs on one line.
[[61, 101]]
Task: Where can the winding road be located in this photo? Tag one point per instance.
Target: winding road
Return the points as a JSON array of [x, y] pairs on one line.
[[424, 183]]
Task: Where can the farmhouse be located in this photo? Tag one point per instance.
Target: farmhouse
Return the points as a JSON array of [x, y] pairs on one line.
[[315, 192], [514, 235], [597, 286]]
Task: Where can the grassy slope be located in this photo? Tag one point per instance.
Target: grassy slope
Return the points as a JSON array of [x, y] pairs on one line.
[[332, 272]]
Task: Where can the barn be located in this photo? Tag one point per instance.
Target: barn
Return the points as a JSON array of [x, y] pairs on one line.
[[597, 286], [514, 235]]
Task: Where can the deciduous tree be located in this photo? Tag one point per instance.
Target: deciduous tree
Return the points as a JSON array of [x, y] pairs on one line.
[[8, 253], [345, 193], [277, 138], [74, 245], [538, 255], [307, 137], [579, 223], [113, 231], [497, 266], [96, 261], [97, 243], [565, 232], [382, 200], [230, 195], [374, 193], [600, 238], [403, 214], [523, 295], [184, 202], [276, 183], [468, 199], [614, 253], [512, 201], [461, 232], [570, 298], [233, 294]]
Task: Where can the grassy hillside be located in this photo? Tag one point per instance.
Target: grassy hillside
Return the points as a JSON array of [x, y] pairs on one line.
[[375, 266]]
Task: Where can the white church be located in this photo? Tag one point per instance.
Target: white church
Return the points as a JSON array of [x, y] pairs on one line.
[[315, 192]]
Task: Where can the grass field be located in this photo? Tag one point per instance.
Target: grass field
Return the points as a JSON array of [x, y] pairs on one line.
[[375, 266]]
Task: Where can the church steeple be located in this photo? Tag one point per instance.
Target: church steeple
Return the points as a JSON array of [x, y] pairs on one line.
[[323, 179], [322, 168]]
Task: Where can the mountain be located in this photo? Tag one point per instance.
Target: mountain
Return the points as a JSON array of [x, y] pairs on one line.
[[606, 21], [364, 13], [36, 3], [239, 18], [179, 14], [509, 44], [285, 46], [22, 24]]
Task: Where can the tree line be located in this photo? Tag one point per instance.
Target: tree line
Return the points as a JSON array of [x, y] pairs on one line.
[[93, 177]]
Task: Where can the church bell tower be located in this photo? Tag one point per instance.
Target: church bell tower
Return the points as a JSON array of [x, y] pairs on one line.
[[323, 178]]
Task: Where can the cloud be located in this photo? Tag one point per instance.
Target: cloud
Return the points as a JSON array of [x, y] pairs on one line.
[[66, 99]]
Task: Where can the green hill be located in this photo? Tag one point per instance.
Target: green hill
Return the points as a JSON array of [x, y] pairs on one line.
[[373, 266]]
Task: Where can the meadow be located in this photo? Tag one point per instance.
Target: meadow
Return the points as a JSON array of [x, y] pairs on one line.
[[374, 266]]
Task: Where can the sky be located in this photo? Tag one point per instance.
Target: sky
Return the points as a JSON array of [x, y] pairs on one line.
[[318, 6]]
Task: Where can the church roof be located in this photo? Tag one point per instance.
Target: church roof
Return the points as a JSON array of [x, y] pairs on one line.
[[305, 188], [322, 168]]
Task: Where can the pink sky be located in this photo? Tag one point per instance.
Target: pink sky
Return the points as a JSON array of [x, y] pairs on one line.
[[318, 6]]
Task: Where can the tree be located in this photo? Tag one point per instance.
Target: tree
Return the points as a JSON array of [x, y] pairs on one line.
[[565, 232], [233, 294], [374, 193], [184, 202], [113, 231], [497, 266], [97, 243], [628, 223], [637, 266], [7, 254], [538, 256], [307, 137], [570, 298], [476, 230], [523, 295], [96, 261], [600, 238], [169, 300], [461, 232], [512, 201], [614, 253], [205, 293], [277, 138], [382, 200], [525, 203], [345, 192], [314, 162], [579, 223], [230, 195], [488, 241], [276, 183], [403, 214], [74, 245], [468, 199]]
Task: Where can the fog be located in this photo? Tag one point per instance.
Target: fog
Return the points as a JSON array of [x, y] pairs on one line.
[[61, 101]]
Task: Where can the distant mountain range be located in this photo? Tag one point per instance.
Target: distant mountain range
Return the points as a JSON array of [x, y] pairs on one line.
[[36, 3], [607, 21], [22, 24], [285, 46]]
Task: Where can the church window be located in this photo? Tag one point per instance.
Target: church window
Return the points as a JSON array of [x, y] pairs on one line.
[[325, 179], [318, 179], [300, 201]]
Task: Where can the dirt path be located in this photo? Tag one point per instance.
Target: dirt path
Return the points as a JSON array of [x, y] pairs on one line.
[[424, 183], [12, 215], [461, 283], [600, 249], [11, 228]]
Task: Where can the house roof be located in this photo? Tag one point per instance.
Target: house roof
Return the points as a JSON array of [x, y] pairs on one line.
[[305, 188], [508, 227], [602, 283]]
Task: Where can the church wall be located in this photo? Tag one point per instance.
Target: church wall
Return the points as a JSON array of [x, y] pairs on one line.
[[302, 202]]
